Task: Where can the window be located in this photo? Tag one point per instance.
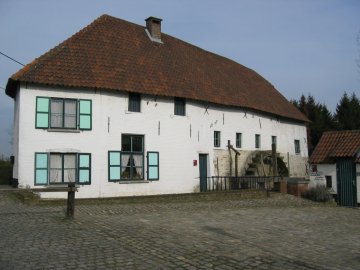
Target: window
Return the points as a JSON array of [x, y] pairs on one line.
[[257, 141], [179, 106], [328, 181], [153, 165], [273, 140], [62, 113], [132, 157], [134, 102], [216, 138], [297, 146], [62, 168], [238, 140]]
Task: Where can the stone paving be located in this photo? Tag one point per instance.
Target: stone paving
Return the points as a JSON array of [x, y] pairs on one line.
[[196, 232]]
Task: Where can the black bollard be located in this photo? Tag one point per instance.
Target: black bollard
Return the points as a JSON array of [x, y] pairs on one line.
[[71, 201]]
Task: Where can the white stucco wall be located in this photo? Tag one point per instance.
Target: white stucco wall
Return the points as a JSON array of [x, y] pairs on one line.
[[318, 178], [181, 138]]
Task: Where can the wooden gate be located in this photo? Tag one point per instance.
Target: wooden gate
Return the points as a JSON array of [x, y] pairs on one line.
[[346, 182]]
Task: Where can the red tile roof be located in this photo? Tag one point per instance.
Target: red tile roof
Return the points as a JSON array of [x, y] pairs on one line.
[[337, 144], [114, 54]]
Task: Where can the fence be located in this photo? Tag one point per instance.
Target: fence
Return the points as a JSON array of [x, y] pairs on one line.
[[223, 183]]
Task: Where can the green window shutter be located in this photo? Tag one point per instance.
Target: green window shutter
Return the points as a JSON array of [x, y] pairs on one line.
[[85, 114], [41, 169], [153, 166], [84, 164], [114, 161], [42, 112]]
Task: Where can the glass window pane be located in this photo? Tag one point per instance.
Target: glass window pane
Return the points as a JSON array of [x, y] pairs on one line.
[[55, 168], [69, 161], [114, 158], [70, 114], [69, 175], [41, 176], [85, 106], [42, 104], [125, 160], [84, 161], [137, 143], [134, 102], [125, 172], [153, 159], [114, 173], [55, 176], [85, 121], [56, 118], [179, 106], [137, 160], [153, 173], [126, 143], [137, 173], [84, 176]]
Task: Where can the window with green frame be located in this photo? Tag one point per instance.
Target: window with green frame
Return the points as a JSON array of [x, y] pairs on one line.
[[297, 146], [117, 172], [60, 113], [179, 106], [257, 141], [132, 157], [62, 168], [216, 138], [134, 102], [238, 140]]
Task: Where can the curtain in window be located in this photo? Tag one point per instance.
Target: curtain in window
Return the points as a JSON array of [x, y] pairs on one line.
[[55, 169], [56, 118], [126, 165], [70, 114], [69, 168], [138, 164]]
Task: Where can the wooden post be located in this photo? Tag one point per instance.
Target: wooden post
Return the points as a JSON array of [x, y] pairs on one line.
[[71, 201], [274, 161]]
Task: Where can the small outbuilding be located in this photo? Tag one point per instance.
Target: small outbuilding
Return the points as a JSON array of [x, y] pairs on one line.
[[336, 159]]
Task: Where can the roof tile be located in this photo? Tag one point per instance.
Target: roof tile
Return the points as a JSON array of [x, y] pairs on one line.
[[337, 144], [114, 54]]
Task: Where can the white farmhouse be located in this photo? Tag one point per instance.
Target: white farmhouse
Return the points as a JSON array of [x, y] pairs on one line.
[[124, 110]]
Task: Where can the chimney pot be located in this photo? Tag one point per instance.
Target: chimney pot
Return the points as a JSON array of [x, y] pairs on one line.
[[153, 26]]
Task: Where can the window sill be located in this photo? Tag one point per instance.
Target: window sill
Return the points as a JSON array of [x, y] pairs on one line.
[[131, 112], [63, 130], [133, 182]]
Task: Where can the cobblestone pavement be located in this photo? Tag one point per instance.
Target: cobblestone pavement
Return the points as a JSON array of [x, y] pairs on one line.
[[223, 232]]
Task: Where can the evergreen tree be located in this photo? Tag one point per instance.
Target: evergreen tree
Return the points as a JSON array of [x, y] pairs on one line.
[[347, 114], [320, 117]]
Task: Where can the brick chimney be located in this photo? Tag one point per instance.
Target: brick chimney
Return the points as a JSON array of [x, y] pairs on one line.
[[153, 27]]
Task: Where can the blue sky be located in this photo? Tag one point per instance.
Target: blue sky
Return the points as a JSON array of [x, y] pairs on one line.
[[301, 47]]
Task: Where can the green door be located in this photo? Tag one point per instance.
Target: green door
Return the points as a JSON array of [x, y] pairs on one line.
[[203, 172], [346, 182]]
